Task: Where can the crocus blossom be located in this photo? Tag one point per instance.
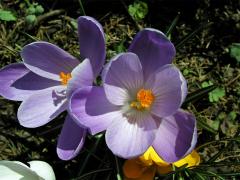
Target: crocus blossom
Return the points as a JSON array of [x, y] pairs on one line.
[[46, 78], [16, 170], [139, 102], [146, 166]]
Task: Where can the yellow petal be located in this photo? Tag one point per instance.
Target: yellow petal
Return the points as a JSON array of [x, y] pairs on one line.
[[154, 156], [146, 157], [192, 159], [164, 169], [148, 174], [132, 168]]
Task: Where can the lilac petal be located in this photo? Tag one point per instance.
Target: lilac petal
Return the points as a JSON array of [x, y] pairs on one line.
[[123, 77], [129, 138], [8, 75], [48, 60], [18, 83], [90, 108], [176, 136], [92, 42], [82, 76], [153, 49], [105, 69], [33, 82], [71, 139], [42, 107], [169, 88]]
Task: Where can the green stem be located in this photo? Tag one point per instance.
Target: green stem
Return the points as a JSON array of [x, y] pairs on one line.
[[82, 8], [117, 168], [88, 156]]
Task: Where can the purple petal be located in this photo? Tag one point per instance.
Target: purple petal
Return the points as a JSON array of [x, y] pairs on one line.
[[33, 82], [169, 88], [8, 75], [176, 136], [82, 76], [48, 60], [71, 139], [18, 83], [42, 107], [92, 42], [131, 137], [90, 108], [106, 67], [123, 77], [153, 49]]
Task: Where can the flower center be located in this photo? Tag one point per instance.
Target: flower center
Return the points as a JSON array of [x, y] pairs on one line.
[[65, 77], [144, 100]]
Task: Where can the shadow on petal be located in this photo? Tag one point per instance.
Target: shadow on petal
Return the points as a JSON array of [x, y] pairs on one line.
[[71, 139]]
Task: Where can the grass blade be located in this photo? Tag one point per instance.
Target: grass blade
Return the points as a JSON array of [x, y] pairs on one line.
[[169, 31], [191, 35], [92, 172], [199, 94]]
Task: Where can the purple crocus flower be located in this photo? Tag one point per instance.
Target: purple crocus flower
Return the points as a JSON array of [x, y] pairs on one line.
[[139, 102], [48, 76]]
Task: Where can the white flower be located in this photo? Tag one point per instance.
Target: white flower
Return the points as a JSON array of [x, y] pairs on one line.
[[15, 170]]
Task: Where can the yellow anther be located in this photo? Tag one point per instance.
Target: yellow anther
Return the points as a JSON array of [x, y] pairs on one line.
[[65, 77], [145, 99]]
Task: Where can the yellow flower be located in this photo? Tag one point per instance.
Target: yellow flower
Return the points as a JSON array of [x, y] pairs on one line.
[[146, 166]]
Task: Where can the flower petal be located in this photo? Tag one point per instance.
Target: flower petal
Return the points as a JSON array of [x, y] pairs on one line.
[[176, 136], [82, 76], [8, 75], [42, 107], [169, 88], [123, 77], [90, 108], [16, 170], [92, 42], [164, 169], [43, 169], [71, 139], [19, 83], [153, 49], [148, 174], [130, 137], [192, 159], [132, 168], [48, 60]]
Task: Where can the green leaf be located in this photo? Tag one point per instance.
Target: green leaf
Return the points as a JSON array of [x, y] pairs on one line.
[[39, 9], [31, 19], [185, 72], [216, 94], [74, 24], [138, 10], [120, 47], [235, 51], [232, 115], [214, 124], [206, 84], [31, 10], [7, 15]]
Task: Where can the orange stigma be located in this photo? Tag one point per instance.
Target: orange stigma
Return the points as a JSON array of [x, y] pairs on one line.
[[145, 99], [65, 77]]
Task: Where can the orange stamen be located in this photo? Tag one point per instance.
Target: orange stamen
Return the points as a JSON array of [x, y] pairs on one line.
[[65, 77], [145, 99]]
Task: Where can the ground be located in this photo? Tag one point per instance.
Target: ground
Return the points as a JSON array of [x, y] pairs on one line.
[[203, 35]]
